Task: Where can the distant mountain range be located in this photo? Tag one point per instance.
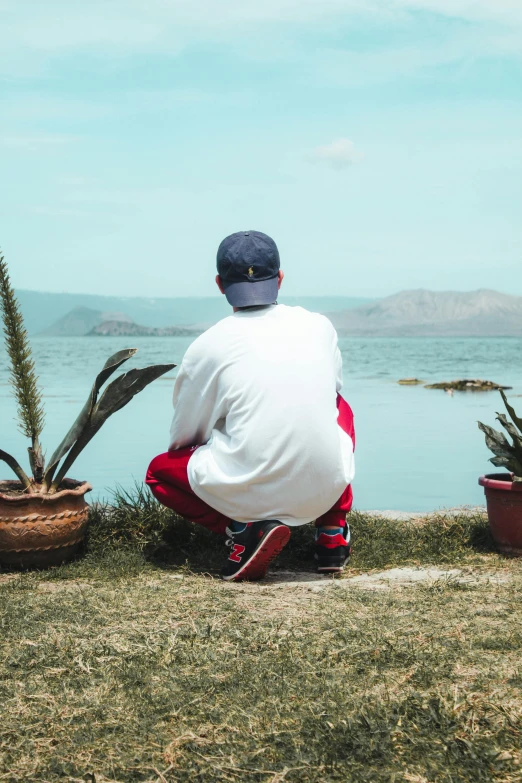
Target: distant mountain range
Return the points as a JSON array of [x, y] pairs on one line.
[[482, 313], [422, 313], [43, 310]]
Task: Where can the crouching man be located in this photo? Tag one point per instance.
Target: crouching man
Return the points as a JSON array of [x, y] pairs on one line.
[[261, 441]]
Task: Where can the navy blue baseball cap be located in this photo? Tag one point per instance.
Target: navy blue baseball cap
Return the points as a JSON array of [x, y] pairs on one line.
[[248, 265]]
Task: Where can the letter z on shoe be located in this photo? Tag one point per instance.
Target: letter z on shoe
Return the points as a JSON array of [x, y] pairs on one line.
[[253, 549]]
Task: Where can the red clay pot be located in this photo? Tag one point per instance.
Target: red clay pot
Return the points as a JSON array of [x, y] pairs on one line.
[[504, 502], [42, 530]]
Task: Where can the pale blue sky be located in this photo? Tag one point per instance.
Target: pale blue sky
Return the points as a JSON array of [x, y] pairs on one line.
[[378, 141]]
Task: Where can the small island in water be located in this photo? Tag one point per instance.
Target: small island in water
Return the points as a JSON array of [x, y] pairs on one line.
[[86, 322], [462, 384], [131, 329], [467, 385]]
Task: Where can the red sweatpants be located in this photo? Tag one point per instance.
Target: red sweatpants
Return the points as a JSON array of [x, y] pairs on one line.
[[168, 481]]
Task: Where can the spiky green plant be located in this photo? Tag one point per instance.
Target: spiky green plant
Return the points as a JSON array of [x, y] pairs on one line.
[[23, 378], [94, 414], [507, 455]]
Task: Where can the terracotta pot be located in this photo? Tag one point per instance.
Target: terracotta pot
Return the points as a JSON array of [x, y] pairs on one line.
[[504, 502], [42, 530]]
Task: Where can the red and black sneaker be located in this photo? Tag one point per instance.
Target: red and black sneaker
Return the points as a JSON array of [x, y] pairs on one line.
[[253, 549], [332, 549]]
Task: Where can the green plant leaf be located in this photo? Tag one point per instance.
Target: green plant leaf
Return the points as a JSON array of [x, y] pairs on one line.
[[513, 432], [114, 398], [511, 411], [507, 455], [501, 462], [124, 388], [496, 441], [110, 366], [16, 468], [510, 428], [511, 464]]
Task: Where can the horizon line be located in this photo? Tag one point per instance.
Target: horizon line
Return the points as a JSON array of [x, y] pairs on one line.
[[283, 295]]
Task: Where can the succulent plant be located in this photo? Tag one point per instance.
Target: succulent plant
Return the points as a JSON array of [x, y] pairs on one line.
[[31, 416], [507, 455]]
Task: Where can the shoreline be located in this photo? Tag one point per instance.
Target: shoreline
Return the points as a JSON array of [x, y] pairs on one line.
[[405, 516]]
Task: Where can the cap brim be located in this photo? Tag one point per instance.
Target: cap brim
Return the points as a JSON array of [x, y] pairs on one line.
[[245, 294]]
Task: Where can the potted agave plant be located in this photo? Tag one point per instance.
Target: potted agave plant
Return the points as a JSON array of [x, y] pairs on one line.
[[43, 515], [504, 490]]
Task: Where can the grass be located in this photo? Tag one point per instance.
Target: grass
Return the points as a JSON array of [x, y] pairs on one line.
[[136, 663]]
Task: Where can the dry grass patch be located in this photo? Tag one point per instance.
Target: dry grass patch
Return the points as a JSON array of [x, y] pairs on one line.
[[134, 665]]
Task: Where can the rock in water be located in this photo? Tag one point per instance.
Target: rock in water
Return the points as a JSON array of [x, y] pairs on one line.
[[410, 382], [467, 384]]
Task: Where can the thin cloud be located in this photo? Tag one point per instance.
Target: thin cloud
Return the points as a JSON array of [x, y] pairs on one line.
[[122, 28], [35, 142], [501, 11], [340, 154]]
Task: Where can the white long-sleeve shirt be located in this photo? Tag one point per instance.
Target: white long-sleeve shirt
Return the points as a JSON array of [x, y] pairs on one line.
[[259, 390]]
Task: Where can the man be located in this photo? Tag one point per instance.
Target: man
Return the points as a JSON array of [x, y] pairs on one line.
[[261, 440]]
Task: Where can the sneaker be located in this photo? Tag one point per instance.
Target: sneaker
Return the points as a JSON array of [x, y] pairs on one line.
[[253, 549], [332, 549]]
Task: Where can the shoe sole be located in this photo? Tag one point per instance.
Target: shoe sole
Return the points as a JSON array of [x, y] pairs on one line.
[[270, 546], [334, 569]]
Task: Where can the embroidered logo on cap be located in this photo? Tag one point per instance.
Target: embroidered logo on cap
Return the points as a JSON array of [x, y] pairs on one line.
[[251, 271]]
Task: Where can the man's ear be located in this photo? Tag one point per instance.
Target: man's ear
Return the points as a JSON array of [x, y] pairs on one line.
[[220, 284], [280, 277]]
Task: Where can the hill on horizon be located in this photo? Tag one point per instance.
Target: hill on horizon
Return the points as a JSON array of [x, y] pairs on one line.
[[80, 321], [42, 310], [84, 322], [423, 313]]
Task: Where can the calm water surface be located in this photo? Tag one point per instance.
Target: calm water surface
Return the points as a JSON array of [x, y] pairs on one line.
[[417, 450]]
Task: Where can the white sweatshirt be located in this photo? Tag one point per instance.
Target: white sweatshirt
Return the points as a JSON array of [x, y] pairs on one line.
[[259, 390]]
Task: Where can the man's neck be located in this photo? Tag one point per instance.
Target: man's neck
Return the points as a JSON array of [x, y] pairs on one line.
[[252, 307]]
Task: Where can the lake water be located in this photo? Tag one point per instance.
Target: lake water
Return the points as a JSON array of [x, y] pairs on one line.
[[417, 449]]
